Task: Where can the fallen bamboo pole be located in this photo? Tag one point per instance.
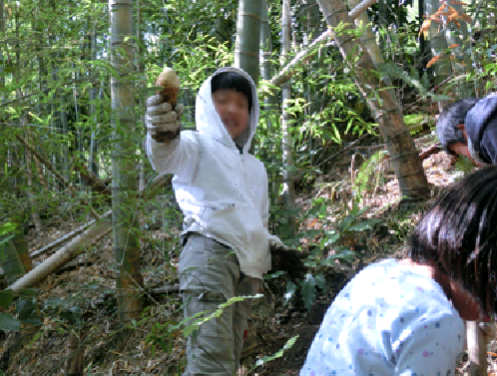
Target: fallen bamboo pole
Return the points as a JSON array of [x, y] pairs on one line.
[[94, 232], [159, 182], [61, 240], [174, 289], [65, 254]]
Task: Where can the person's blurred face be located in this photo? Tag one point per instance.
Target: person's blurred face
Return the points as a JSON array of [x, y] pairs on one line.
[[232, 107], [462, 149]]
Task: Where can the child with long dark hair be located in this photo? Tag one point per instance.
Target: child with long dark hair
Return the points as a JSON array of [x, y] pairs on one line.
[[405, 317]]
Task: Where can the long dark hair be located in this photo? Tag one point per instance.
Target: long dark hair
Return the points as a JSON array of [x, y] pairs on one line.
[[459, 236]]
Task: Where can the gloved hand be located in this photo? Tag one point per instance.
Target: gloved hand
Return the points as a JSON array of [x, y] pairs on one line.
[[161, 121], [288, 260]]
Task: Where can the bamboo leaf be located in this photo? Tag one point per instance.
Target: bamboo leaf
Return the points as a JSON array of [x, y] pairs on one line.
[[7, 322], [291, 289], [6, 298], [309, 290], [265, 359]]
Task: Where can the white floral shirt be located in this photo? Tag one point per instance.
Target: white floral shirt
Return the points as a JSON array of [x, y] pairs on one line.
[[388, 320]]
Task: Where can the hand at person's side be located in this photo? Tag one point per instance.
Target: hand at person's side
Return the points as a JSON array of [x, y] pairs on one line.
[[288, 260]]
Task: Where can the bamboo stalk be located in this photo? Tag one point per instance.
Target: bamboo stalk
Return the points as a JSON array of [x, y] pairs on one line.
[[247, 37], [126, 243], [477, 351]]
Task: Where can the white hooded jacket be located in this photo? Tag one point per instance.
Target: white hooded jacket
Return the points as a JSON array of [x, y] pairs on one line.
[[222, 192]]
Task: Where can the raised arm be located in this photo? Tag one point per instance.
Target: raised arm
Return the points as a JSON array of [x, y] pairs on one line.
[[169, 150]]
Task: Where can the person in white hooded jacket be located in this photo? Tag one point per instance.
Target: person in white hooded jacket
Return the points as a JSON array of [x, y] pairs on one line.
[[223, 193]]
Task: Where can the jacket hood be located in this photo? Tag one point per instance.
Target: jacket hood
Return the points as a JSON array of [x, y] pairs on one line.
[[208, 121]]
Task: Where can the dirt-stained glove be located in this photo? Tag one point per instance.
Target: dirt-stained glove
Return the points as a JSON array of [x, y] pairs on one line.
[[161, 121], [288, 260]]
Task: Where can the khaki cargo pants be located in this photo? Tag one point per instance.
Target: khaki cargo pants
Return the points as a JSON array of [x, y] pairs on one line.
[[209, 275]]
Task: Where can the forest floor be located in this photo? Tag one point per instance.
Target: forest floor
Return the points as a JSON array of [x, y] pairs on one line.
[[152, 345]]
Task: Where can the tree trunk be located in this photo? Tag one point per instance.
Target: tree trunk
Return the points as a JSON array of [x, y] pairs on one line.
[[288, 193], [271, 100], [141, 68], [29, 192], [93, 153], [369, 41], [247, 37], [477, 350], [75, 355], [424, 52], [25, 119], [78, 151], [438, 45], [266, 53], [19, 240], [385, 109], [462, 63], [60, 104], [65, 134], [60, 115], [16, 260], [288, 184], [18, 243], [2, 75], [1, 17], [124, 219], [11, 263]]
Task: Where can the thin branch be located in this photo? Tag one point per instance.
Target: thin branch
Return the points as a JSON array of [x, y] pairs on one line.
[[95, 183], [287, 72]]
